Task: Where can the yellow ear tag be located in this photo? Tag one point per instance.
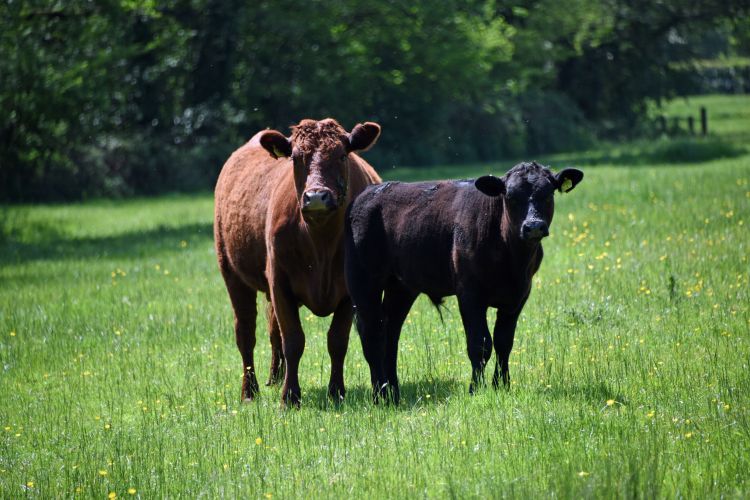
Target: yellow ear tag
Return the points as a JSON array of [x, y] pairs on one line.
[[567, 185], [278, 153]]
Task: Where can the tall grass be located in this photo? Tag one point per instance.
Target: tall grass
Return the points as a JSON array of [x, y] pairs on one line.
[[119, 374]]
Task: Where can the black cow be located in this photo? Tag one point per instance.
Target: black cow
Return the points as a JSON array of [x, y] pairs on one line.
[[477, 239]]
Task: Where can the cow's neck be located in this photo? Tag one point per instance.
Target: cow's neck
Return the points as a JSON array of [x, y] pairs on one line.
[[522, 256], [325, 236], [525, 257], [509, 251]]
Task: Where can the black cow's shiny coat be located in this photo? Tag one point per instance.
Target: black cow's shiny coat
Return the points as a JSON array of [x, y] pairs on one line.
[[477, 239]]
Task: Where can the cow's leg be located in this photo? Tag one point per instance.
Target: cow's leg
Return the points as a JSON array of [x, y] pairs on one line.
[[245, 310], [338, 342], [397, 301], [292, 338], [369, 319], [478, 339], [504, 333], [365, 294], [277, 354]]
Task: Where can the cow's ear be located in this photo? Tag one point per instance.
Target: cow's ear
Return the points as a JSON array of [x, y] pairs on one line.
[[490, 185], [567, 179], [363, 136], [276, 144]]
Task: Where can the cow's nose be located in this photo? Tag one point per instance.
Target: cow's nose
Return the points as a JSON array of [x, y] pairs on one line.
[[318, 200], [534, 229]]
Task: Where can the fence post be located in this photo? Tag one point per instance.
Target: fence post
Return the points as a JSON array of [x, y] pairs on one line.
[[704, 121], [663, 124], [691, 125]]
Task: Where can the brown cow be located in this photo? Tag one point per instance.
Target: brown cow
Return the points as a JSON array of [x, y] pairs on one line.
[[279, 230]]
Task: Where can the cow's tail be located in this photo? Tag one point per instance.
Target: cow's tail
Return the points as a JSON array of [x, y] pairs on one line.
[[439, 304]]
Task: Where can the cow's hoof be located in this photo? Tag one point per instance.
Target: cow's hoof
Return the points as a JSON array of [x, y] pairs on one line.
[[336, 392], [274, 379], [275, 375], [478, 382], [395, 396], [291, 398], [381, 393], [499, 381], [289, 404], [248, 396], [250, 388]]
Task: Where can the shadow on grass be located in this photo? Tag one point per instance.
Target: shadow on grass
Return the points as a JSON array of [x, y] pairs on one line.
[[51, 245], [597, 393], [679, 151], [413, 394]]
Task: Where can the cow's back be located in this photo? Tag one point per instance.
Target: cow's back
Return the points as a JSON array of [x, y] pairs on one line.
[[242, 196]]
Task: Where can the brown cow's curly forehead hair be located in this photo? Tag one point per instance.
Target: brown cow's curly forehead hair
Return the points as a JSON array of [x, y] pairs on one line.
[[311, 135]]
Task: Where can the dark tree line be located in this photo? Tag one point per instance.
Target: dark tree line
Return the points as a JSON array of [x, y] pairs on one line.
[[119, 97]]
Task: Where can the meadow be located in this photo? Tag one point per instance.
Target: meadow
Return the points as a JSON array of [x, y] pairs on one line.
[[119, 375]]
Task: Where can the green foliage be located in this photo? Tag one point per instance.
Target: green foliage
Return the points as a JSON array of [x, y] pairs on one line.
[[629, 63], [124, 97], [554, 123]]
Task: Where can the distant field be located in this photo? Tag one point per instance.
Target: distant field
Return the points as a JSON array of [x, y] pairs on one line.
[[119, 373], [728, 115], [729, 137]]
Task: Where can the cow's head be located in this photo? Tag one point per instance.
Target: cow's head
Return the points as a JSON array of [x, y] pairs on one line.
[[320, 154], [527, 191]]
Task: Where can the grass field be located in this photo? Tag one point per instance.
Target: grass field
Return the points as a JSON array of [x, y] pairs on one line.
[[631, 369]]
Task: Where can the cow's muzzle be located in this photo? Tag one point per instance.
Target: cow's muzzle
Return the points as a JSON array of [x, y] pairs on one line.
[[534, 230], [319, 200]]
